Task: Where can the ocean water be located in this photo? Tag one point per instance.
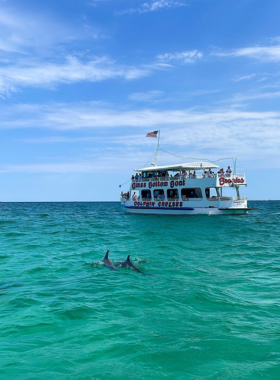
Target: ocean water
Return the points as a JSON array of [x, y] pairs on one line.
[[211, 311]]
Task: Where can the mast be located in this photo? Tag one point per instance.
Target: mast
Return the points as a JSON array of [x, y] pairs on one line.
[[156, 154]]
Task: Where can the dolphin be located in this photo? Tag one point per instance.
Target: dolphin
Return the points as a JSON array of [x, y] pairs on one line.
[[108, 263], [128, 264]]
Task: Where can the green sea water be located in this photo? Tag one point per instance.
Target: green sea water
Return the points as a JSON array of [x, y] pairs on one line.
[[211, 312]]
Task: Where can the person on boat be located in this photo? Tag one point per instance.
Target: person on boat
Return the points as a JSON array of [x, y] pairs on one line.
[[136, 177], [228, 171], [134, 196], [140, 177], [194, 174], [132, 177]]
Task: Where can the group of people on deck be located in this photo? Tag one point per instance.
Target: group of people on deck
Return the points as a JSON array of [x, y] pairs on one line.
[[222, 173], [180, 175], [138, 177], [125, 195], [209, 174]]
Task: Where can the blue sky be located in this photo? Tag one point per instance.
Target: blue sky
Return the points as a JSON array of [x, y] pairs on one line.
[[83, 81]]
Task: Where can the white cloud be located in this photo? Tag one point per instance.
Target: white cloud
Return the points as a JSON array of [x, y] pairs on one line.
[[210, 133], [153, 6], [27, 32], [261, 53], [185, 56], [146, 96], [221, 130], [98, 115], [254, 96], [275, 39], [23, 32], [28, 73], [239, 78]]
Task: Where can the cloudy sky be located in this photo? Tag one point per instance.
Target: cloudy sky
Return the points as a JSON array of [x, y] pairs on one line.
[[83, 81]]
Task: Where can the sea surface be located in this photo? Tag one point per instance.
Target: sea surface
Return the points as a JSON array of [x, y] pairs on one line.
[[210, 312]]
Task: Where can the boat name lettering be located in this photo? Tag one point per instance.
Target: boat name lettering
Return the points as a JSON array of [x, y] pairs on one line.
[[160, 204], [144, 204], [177, 183], [157, 184], [170, 204], [138, 184], [222, 181]]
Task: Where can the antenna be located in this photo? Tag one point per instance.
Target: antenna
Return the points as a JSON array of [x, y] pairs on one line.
[[234, 170]]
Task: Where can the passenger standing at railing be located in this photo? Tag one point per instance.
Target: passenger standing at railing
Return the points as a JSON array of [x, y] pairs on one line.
[[222, 173], [140, 177], [136, 177], [228, 171]]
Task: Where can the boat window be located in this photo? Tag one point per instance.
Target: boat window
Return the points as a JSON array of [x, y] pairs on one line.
[[194, 193], [211, 193], [227, 193], [172, 194], [159, 195], [146, 195]]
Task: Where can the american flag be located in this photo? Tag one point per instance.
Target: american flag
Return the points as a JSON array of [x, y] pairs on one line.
[[152, 134]]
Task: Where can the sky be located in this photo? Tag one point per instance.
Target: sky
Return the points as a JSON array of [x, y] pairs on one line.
[[83, 81]]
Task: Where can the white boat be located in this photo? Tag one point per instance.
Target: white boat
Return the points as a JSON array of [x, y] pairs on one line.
[[185, 189]]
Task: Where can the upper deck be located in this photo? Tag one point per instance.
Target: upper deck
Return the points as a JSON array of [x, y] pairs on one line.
[[203, 172], [187, 180]]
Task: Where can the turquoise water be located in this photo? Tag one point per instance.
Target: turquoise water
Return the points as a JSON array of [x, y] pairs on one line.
[[212, 310]]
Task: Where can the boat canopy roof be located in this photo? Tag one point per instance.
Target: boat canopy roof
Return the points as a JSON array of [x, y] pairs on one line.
[[186, 166]]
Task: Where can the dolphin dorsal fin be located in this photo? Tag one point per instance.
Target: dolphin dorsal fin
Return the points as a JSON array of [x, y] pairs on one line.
[[107, 255], [128, 258]]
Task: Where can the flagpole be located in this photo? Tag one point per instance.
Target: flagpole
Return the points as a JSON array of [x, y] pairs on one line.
[[158, 146]]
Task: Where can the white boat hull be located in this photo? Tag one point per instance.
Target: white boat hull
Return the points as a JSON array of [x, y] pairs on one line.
[[183, 211]]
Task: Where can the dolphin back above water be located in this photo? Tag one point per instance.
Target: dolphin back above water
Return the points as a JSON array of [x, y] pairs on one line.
[[108, 262], [128, 264]]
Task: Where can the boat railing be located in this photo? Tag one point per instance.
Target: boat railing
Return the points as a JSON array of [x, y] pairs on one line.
[[230, 175], [169, 178], [239, 199]]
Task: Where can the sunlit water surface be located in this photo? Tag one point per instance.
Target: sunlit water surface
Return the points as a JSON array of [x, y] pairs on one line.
[[212, 310]]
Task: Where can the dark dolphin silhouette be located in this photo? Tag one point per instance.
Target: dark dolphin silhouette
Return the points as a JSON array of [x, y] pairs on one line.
[[128, 264], [108, 263]]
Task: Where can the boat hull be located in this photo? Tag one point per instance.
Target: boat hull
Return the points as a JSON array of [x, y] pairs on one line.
[[185, 211]]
